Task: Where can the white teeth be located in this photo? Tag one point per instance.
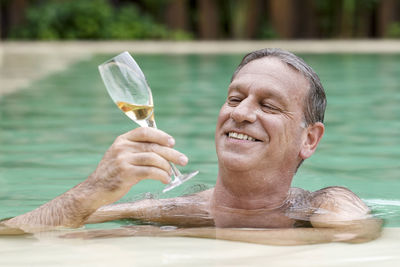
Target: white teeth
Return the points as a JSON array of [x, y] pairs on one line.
[[241, 136]]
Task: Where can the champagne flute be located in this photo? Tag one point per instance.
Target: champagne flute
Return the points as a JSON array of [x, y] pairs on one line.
[[128, 88]]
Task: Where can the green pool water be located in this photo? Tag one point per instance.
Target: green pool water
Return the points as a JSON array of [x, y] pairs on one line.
[[53, 134]]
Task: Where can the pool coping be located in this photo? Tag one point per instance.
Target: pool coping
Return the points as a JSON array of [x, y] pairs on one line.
[[45, 249], [204, 47]]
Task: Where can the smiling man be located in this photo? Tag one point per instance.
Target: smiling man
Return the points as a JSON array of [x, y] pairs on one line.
[[271, 122]]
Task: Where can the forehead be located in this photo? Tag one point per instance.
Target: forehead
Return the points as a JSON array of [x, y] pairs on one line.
[[270, 74]]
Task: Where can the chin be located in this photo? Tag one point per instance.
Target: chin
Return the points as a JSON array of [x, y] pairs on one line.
[[235, 163]]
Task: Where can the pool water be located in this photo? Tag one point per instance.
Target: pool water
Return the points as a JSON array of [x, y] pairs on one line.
[[53, 134]]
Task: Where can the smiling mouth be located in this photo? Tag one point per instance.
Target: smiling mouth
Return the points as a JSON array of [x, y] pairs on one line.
[[241, 136]]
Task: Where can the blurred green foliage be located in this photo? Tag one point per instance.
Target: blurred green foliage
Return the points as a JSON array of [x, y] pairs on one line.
[[267, 32], [393, 30], [332, 13], [212, 19], [91, 19]]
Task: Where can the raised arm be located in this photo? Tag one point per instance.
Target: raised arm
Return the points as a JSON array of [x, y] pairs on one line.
[[140, 154]]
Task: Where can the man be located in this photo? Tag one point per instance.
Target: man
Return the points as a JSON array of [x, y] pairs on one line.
[[271, 122]]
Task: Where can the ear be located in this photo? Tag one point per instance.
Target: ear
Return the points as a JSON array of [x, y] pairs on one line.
[[314, 134]]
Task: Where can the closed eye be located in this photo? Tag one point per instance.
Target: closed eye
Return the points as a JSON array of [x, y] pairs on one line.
[[270, 108], [233, 101]]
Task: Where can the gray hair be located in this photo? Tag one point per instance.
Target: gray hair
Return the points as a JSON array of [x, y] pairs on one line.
[[315, 102]]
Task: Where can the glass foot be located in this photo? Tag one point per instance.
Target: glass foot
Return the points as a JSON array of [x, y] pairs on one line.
[[179, 180]]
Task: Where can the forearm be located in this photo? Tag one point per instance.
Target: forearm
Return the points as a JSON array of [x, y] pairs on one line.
[[70, 209], [182, 211], [139, 210], [8, 230]]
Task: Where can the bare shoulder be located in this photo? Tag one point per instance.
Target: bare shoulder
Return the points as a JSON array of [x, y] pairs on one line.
[[338, 198], [335, 206]]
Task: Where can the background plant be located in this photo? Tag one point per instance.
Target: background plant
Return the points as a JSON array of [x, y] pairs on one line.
[[90, 19]]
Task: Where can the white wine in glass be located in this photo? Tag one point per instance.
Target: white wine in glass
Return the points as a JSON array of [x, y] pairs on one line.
[[128, 88]]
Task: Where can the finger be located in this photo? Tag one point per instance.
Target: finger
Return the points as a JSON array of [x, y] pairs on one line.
[[150, 135], [149, 159], [167, 153], [149, 172]]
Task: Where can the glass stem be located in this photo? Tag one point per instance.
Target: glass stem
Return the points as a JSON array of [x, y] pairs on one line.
[[175, 172], [151, 123]]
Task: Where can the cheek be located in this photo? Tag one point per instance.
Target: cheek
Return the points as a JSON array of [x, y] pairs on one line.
[[224, 115], [294, 135], [280, 130], [273, 125]]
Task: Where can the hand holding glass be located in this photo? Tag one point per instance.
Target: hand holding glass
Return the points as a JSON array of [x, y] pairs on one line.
[[128, 88]]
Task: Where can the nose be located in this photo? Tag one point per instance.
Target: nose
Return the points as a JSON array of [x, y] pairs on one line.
[[245, 111]]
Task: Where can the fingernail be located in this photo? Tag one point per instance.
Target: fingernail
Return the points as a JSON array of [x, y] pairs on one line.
[[183, 160], [171, 141]]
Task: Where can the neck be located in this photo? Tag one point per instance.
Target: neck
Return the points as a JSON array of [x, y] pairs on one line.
[[251, 190]]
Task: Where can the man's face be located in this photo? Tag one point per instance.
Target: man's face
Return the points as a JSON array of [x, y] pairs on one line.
[[260, 126]]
